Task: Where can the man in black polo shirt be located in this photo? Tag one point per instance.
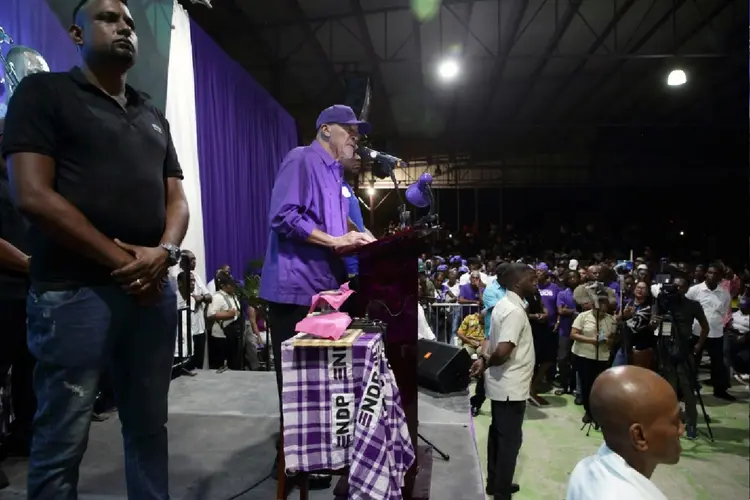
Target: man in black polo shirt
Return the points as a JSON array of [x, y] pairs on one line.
[[93, 167], [14, 355]]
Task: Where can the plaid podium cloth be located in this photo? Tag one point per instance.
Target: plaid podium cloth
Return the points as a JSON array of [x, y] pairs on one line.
[[341, 407]]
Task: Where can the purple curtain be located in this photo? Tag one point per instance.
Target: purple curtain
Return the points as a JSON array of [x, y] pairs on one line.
[[243, 135], [32, 23]]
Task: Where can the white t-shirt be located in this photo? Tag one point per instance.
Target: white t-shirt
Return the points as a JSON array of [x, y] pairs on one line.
[[606, 476], [222, 301], [423, 327], [715, 304], [511, 381], [464, 279], [586, 323], [741, 322]]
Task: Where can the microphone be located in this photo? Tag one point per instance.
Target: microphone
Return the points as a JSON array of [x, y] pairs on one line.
[[205, 3], [4, 37], [387, 161]]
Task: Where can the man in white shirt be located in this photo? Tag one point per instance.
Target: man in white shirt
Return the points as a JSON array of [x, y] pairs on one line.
[[640, 419], [716, 303], [509, 368]]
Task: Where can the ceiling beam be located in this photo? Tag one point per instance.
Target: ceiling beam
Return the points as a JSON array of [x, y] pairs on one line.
[[416, 27], [375, 65], [586, 97], [593, 49], [304, 25], [560, 30], [453, 114], [518, 10], [349, 15], [626, 96]]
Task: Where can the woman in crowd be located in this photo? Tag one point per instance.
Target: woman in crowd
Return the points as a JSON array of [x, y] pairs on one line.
[[637, 331], [592, 334]]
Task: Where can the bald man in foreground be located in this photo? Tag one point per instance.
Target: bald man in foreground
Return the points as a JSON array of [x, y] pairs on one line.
[[640, 419]]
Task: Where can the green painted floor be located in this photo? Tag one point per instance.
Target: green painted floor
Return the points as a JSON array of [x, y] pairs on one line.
[[553, 444]]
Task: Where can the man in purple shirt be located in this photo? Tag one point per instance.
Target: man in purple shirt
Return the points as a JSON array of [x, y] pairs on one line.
[[566, 310], [471, 293], [548, 292], [308, 219]]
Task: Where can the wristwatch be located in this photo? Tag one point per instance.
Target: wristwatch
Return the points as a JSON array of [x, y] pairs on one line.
[[173, 253]]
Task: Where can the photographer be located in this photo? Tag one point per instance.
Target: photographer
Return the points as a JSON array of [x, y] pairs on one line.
[[675, 352]]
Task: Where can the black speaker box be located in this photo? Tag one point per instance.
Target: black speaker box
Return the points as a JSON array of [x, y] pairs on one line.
[[443, 368]]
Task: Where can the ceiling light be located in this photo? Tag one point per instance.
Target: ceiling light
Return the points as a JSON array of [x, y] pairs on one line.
[[448, 69], [676, 78]]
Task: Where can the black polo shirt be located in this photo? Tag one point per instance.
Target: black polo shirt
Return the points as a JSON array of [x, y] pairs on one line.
[[111, 163]]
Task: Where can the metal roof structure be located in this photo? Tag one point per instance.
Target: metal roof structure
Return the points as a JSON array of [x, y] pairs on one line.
[[537, 76]]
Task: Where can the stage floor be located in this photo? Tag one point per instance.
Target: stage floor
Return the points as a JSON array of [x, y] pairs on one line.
[[222, 430]]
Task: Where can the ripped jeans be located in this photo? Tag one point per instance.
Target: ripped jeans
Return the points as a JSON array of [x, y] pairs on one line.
[[74, 334]]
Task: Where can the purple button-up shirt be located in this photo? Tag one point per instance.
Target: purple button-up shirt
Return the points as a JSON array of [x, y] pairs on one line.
[[306, 195]]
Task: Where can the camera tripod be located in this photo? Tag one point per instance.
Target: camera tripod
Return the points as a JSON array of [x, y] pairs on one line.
[[682, 361]]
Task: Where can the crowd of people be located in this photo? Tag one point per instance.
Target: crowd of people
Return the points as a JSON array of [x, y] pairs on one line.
[[583, 316]]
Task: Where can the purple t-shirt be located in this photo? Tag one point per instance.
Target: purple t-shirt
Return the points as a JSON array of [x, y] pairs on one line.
[[469, 293], [548, 293], [565, 298]]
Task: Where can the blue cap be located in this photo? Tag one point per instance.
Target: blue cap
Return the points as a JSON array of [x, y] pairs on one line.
[[442, 268], [341, 115]]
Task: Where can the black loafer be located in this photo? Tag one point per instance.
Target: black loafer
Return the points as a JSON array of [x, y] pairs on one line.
[[319, 481], [514, 488]]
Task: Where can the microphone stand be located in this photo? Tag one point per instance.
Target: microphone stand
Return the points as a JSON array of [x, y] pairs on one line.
[[404, 216], [431, 218]]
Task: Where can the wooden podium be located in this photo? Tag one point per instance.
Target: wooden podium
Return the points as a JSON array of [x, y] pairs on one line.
[[387, 290]]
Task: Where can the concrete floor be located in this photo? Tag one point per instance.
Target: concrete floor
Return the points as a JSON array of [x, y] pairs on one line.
[[223, 430], [553, 445]]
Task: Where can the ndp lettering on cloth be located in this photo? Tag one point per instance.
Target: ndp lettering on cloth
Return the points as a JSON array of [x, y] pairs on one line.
[[342, 413], [371, 405], [340, 363]]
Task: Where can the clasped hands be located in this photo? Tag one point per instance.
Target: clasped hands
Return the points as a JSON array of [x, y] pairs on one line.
[[352, 239], [143, 275]]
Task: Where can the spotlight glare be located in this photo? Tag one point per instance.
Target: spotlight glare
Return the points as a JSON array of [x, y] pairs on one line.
[[676, 78], [371, 191], [448, 69], [682, 233]]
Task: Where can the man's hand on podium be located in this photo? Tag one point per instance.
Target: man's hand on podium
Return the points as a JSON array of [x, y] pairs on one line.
[[352, 239]]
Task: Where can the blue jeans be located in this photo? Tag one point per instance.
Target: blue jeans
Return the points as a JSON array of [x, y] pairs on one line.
[[74, 334]]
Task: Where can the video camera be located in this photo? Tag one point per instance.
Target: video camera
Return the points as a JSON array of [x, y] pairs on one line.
[[668, 294]]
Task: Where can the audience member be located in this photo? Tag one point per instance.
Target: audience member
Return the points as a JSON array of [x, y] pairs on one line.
[[592, 334], [509, 369], [640, 421], [715, 301]]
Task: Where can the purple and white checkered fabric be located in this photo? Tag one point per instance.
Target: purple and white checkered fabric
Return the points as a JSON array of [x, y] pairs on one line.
[[321, 386], [342, 408], [383, 451]]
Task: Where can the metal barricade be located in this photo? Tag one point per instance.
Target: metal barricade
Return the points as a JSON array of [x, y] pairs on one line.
[[184, 340], [446, 317]]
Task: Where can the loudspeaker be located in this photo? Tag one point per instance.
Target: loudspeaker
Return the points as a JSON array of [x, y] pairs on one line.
[[442, 368]]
